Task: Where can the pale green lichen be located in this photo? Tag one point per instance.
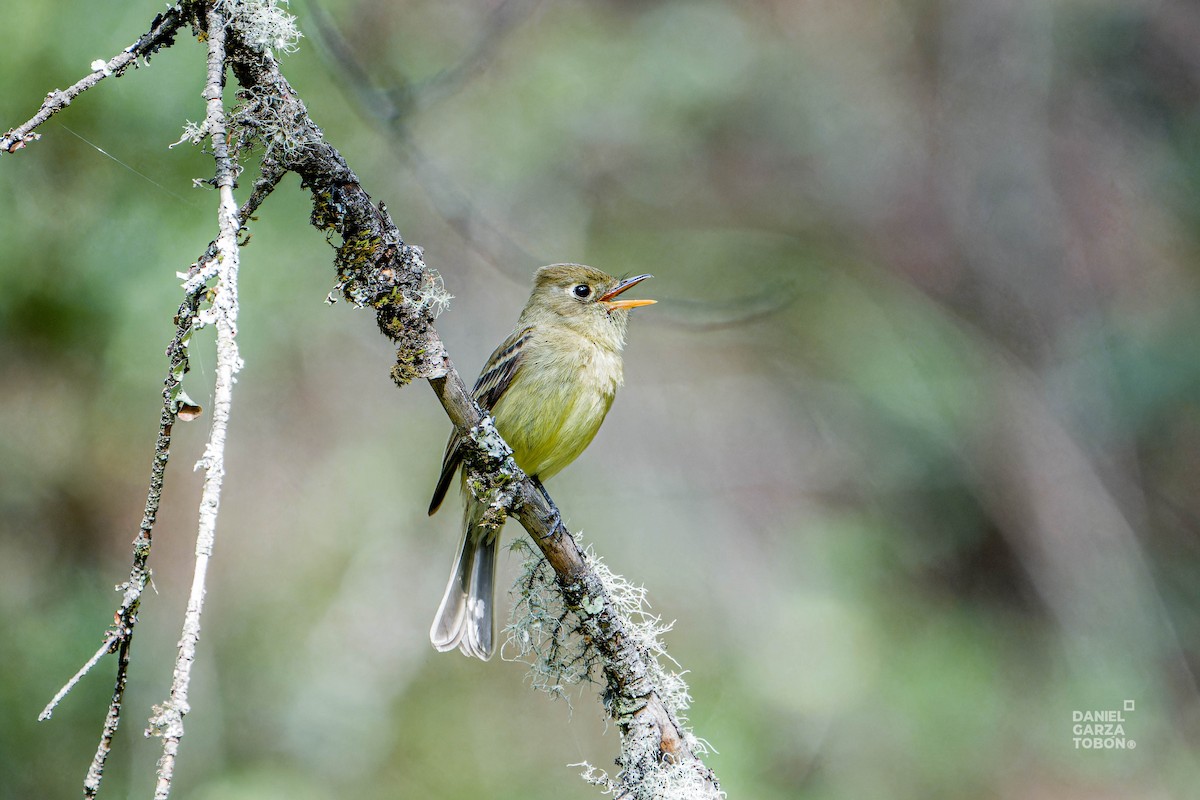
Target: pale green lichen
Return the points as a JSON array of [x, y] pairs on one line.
[[276, 124], [542, 632], [432, 297], [663, 782], [262, 24], [491, 474], [551, 639], [193, 133]]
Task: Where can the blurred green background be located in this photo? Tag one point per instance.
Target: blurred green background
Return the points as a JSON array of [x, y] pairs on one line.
[[910, 447]]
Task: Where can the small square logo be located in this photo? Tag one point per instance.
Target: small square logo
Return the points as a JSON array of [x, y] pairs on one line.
[[1129, 705]]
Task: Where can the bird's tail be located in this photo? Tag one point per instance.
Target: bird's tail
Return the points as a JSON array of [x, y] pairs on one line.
[[465, 618]]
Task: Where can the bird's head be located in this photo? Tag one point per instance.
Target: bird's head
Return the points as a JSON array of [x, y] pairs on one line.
[[583, 298]]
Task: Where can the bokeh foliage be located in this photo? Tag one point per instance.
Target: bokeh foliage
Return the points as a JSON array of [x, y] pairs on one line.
[[910, 447]]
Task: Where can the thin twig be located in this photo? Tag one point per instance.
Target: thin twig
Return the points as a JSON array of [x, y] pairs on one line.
[[397, 98], [161, 34], [177, 356], [104, 650], [125, 617], [91, 783], [167, 720], [120, 636]]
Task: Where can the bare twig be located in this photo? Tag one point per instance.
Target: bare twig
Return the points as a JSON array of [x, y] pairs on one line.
[[161, 34], [105, 649], [391, 107], [167, 721], [121, 636], [399, 98], [91, 783]]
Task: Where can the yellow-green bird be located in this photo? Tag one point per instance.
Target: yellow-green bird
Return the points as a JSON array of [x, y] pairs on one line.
[[548, 386]]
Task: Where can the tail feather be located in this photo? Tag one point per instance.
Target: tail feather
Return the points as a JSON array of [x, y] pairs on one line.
[[465, 618], [480, 638], [448, 628]]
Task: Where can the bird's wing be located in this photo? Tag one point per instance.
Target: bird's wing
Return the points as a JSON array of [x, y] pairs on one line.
[[501, 368], [495, 379]]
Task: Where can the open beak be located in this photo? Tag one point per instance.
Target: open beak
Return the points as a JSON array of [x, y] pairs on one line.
[[608, 302]]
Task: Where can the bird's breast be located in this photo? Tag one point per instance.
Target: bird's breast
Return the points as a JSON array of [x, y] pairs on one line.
[[557, 403]]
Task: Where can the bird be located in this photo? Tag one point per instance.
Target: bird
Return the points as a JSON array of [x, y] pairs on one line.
[[548, 386]]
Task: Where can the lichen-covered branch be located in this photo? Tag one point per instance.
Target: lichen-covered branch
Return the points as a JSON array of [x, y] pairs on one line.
[[660, 757], [167, 721], [120, 637], [161, 34], [377, 269]]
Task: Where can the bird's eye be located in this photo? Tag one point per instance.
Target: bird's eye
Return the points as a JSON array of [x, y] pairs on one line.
[[582, 291]]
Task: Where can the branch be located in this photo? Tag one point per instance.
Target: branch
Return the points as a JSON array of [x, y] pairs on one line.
[[167, 720], [399, 97], [120, 637], [161, 34], [651, 733], [376, 269], [109, 644]]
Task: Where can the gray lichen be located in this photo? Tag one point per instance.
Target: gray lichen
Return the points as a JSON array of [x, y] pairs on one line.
[[491, 474], [556, 641], [262, 24]]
